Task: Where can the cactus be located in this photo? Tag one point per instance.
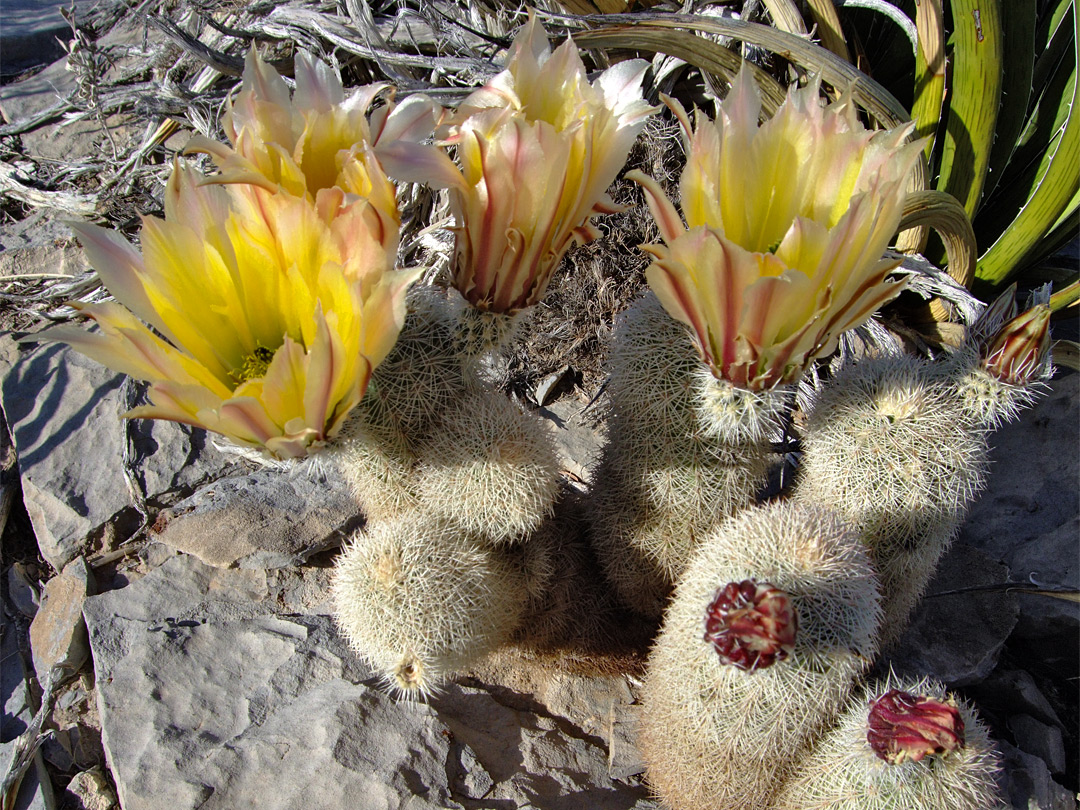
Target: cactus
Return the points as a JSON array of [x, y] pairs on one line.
[[489, 467], [676, 463], [900, 745], [898, 444], [770, 625], [418, 599], [1007, 360], [890, 446]]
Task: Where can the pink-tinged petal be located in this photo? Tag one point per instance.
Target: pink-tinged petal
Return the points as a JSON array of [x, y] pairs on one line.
[[664, 212], [120, 267], [242, 418], [263, 82], [413, 120], [419, 163], [318, 87], [680, 115]]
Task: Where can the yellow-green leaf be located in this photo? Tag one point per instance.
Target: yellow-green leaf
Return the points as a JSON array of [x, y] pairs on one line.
[[974, 96]]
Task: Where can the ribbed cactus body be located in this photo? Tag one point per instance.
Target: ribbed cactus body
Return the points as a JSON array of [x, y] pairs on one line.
[[715, 735], [653, 501], [418, 598], [489, 467], [845, 772], [890, 445], [679, 458], [377, 462]]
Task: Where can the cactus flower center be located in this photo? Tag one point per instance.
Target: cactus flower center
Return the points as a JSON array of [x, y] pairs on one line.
[[903, 727], [751, 625], [254, 366]]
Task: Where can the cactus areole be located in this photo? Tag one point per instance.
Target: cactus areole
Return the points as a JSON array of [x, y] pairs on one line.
[[904, 727], [751, 625]]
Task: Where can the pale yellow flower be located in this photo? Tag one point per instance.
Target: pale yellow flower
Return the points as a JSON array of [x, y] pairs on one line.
[[538, 148], [787, 225], [266, 312], [318, 138]]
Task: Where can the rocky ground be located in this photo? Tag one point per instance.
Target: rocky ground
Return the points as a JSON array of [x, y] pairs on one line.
[[182, 591]]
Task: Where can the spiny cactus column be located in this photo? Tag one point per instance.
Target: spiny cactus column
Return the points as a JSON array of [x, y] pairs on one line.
[[420, 380], [419, 598], [889, 445], [681, 456], [771, 623], [904, 745], [898, 446]]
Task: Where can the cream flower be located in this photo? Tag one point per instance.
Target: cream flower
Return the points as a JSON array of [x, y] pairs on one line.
[[318, 138], [266, 312], [786, 227], [538, 148]]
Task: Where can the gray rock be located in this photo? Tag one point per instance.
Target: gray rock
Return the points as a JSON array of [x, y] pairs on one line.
[[1027, 518], [90, 790], [1017, 690], [1028, 783], [63, 410], [58, 633], [1040, 739], [958, 637], [29, 33], [46, 248], [39, 229], [23, 594], [208, 699], [35, 791], [269, 519]]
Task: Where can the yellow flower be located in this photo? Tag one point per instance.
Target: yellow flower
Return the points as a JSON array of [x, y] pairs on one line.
[[786, 228], [267, 312], [538, 148], [317, 139]]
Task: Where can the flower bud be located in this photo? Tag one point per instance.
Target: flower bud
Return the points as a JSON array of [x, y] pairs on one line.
[[1017, 353]]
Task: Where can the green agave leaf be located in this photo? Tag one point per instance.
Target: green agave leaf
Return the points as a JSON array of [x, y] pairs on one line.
[[1057, 179], [1068, 297], [973, 99], [929, 71], [1066, 353], [1018, 64]]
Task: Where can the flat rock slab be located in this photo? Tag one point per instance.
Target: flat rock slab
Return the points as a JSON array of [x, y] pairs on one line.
[[1027, 518], [210, 700], [269, 519], [63, 410]]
